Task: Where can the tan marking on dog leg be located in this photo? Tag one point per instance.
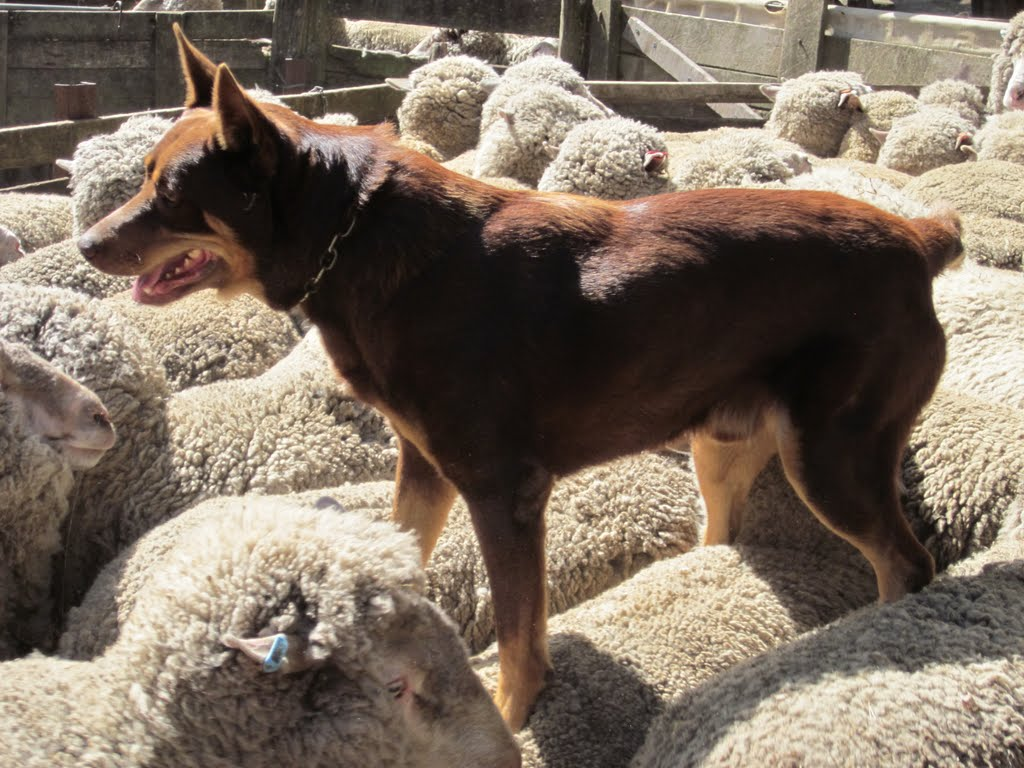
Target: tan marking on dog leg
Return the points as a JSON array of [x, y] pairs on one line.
[[726, 471], [423, 497]]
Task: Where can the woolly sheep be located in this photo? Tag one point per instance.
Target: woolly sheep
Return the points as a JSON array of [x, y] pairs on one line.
[[814, 110], [338, 118], [10, 247], [530, 129], [523, 47], [370, 673], [604, 524], [443, 103], [929, 138], [934, 679], [737, 157], [621, 657], [490, 47], [1006, 90], [107, 170], [979, 308], [378, 36], [61, 265], [994, 242], [985, 188], [1001, 138], [37, 219], [878, 110], [962, 97], [870, 171], [613, 158], [199, 341], [536, 70], [179, 5], [292, 428], [874, 190], [49, 425]]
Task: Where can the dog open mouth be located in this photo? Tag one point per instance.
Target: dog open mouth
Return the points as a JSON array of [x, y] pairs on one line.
[[174, 278]]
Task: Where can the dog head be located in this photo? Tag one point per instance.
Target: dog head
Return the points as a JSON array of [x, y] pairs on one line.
[[206, 216]]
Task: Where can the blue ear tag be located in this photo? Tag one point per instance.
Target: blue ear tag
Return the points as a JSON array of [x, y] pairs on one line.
[[275, 656]]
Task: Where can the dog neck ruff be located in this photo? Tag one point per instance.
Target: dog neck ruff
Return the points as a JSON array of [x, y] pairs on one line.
[[327, 261]]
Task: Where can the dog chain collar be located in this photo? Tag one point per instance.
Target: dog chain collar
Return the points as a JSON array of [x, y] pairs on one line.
[[327, 262]]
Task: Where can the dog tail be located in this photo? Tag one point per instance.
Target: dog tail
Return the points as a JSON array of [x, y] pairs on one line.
[[941, 234]]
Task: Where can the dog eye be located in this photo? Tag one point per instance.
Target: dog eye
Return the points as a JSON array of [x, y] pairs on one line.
[[169, 197]]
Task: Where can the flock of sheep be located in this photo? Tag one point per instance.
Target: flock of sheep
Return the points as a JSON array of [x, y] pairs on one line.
[[219, 586]]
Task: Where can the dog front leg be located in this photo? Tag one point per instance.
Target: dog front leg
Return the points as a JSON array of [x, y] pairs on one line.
[[510, 527], [423, 497]]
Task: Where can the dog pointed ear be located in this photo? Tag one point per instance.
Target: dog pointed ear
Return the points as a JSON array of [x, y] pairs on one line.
[[243, 126], [199, 72]]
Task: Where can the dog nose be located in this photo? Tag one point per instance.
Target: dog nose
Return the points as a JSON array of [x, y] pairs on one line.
[[89, 245]]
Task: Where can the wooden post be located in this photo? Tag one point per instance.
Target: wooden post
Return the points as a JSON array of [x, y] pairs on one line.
[[168, 83], [801, 42], [574, 33], [605, 38], [301, 32], [3, 67]]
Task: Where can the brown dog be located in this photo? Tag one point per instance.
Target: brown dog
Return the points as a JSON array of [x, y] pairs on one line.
[[513, 337]]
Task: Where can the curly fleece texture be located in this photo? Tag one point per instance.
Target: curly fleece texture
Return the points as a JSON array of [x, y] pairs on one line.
[[604, 524], [994, 242], [737, 157], [960, 96], [170, 693], [878, 111], [37, 219], [984, 188], [1002, 138], [934, 679], [924, 140], [61, 265], [605, 158], [807, 111], [523, 144], [200, 340], [443, 105]]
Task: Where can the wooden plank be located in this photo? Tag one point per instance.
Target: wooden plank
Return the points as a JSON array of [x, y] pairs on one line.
[[86, 54], [626, 92], [238, 54], [25, 146], [4, 27], [802, 39], [606, 25], [714, 43], [56, 25], [679, 65], [168, 87], [882, 64], [574, 33], [528, 17], [369, 65], [225, 25], [300, 32]]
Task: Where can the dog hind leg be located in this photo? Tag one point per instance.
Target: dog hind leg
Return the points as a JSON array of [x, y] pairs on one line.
[[726, 470], [423, 497]]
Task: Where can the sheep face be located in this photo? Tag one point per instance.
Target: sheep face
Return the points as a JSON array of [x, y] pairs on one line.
[[54, 407]]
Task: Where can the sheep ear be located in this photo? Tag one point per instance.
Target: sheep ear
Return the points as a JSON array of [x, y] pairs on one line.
[[199, 72], [655, 160], [242, 123], [509, 115], [275, 653], [879, 134], [66, 165], [543, 48], [849, 99], [399, 83], [771, 92], [488, 84], [965, 143]]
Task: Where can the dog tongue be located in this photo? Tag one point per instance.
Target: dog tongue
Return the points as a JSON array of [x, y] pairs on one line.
[[143, 285]]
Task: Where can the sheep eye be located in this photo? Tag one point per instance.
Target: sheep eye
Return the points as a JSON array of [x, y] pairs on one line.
[[396, 688]]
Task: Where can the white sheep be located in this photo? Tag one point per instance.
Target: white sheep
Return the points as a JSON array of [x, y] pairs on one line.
[[38, 219], [60, 265], [50, 425], [960, 96], [929, 138], [10, 246], [491, 47], [614, 158], [536, 70], [814, 110], [530, 128], [934, 679], [985, 188], [737, 157], [274, 635], [604, 524], [292, 428], [992, 241], [1006, 88], [443, 103], [338, 118], [199, 341], [1001, 138], [378, 35], [878, 110], [876, 190]]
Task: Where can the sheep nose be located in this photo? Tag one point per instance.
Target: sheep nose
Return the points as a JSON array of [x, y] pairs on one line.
[[95, 422]]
